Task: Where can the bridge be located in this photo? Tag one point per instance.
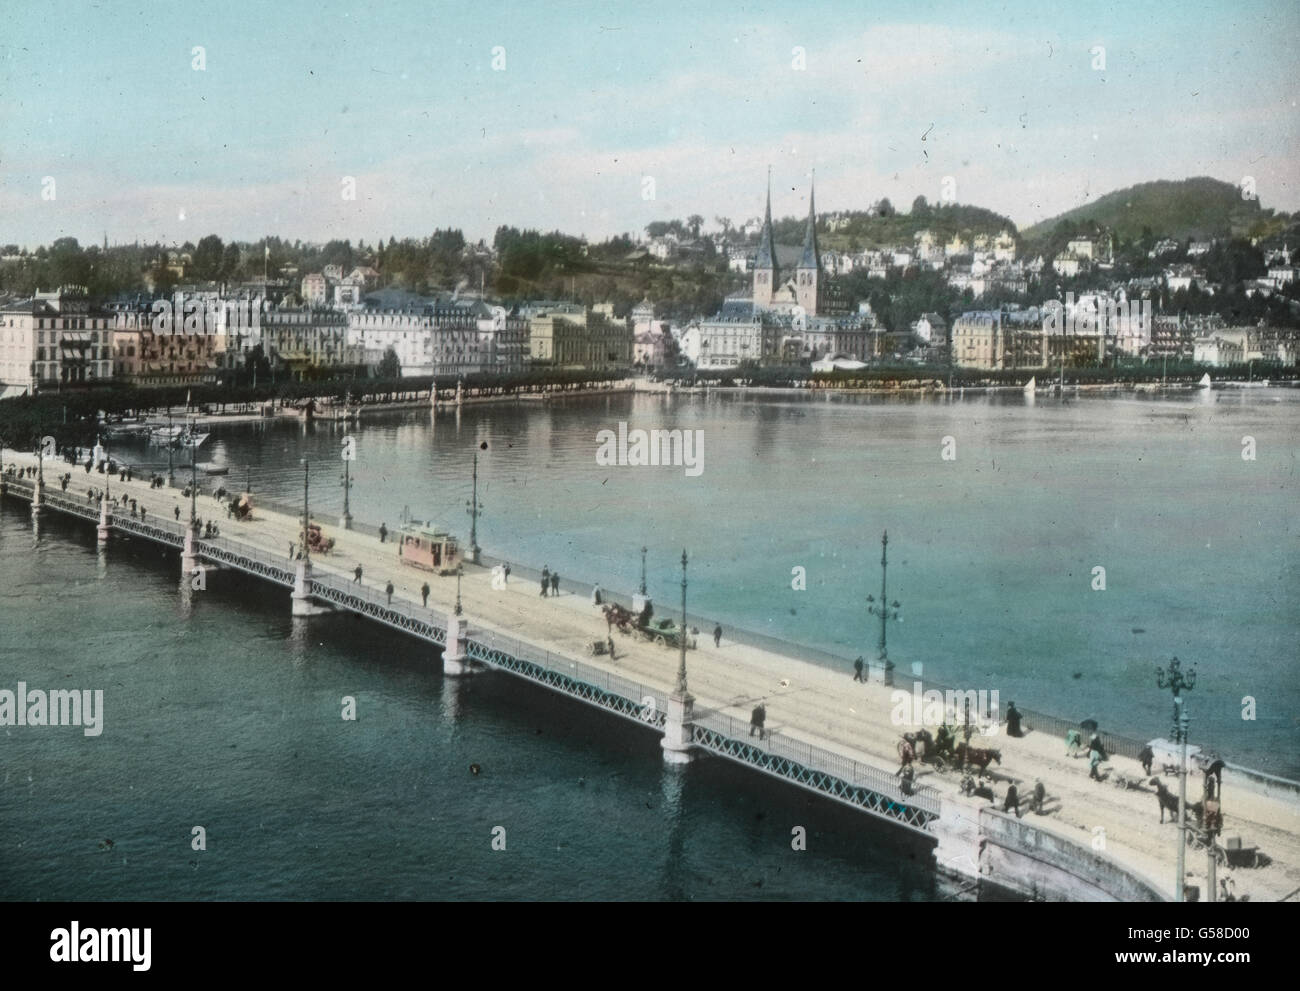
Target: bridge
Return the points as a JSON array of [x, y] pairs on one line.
[[826, 734], [827, 772]]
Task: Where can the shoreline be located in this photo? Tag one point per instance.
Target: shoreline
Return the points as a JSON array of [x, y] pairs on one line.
[[641, 386]]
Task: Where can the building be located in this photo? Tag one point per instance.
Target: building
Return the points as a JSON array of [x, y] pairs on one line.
[[146, 353], [1000, 339], [566, 335], [52, 340], [315, 289], [435, 336], [297, 339]]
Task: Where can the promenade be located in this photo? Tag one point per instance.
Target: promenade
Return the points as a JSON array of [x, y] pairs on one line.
[[804, 701]]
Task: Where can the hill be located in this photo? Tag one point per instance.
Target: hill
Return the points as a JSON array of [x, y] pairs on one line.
[[1199, 208]]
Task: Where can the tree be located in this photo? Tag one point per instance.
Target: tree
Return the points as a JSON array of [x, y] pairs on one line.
[[695, 222], [207, 258], [390, 367], [230, 261], [921, 208]]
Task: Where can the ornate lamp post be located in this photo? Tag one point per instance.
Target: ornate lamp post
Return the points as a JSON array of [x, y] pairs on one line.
[[1175, 680], [681, 658], [460, 570], [475, 509], [194, 480], [643, 552], [884, 608], [306, 512], [346, 520]]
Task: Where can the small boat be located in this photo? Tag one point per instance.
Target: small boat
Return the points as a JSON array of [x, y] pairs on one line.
[[1031, 385], [192, 440], [165, 436], [211, 468], [1205, 381]]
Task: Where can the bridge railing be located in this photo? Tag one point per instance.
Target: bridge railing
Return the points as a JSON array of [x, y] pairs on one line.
[[817, 758], [651, 699]]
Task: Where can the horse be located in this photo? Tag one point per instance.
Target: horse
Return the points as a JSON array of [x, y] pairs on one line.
[[978, 756], [1169, 802]]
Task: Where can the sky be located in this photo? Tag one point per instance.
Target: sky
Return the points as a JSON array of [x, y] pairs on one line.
[[598, 118]]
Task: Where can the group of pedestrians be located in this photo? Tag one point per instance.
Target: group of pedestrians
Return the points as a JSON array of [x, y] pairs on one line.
[[550, 582]]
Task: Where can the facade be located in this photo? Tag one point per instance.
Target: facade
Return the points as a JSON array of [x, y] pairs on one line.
[[52, 340], [433, 337], [145, 357], [300, 338], [315, 290], [1000, 339]]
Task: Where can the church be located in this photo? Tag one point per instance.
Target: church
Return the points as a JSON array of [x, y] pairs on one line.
[[791, 315]]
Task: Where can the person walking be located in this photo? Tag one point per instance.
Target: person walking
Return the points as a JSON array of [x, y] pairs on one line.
[[505, 574], [756, 720], [555, 583], [178, 514], [1012, 801], [383, 532], [291, 550], [356, 579], [857, 669], [389, 590], [546, 579], [1147, 757], [609, 643], [1013, 720], [717, 635]]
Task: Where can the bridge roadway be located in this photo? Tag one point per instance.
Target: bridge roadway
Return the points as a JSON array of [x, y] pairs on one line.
[[829, 733]]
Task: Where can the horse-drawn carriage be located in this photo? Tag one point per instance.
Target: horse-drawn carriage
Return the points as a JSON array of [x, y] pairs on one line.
[[666, 633], [945, 750], [317, 542]]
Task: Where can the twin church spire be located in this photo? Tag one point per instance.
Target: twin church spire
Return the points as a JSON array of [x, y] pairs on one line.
[[767, 274]]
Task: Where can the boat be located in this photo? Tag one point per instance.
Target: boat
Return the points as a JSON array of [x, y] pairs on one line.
[[192, 440], [1205, 381], [125, 431], [212, 468], [1031, 385], [165, 436]]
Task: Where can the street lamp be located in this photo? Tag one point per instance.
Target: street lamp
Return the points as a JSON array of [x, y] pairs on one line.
[[475, 509], [643, 552], [681, 659], [1175, 680], [194, 481], [306, 512], [884, 608], [460, 570]]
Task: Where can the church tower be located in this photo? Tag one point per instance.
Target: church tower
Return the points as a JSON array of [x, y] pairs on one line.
[[765, 270], [809, 270]]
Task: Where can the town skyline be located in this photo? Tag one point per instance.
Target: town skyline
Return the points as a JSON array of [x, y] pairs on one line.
[[479, 122]]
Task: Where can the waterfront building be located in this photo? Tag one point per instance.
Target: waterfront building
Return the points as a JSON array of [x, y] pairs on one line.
[[144, 356], [297, 339], [1000, 339], [567, 335], [431, 336], [53, 339]]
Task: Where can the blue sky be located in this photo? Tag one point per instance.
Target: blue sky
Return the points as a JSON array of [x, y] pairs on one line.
[[594, 98]]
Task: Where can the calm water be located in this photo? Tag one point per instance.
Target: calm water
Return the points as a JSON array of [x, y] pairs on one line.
[[223, 713]]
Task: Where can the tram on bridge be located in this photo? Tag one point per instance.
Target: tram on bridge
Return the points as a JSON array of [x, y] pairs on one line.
[[421, 545]]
